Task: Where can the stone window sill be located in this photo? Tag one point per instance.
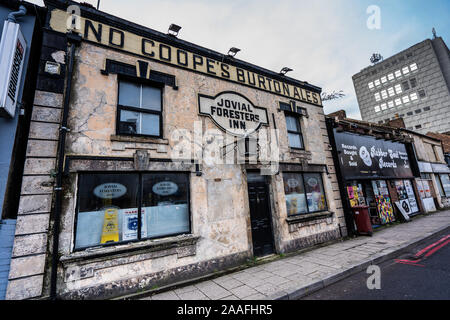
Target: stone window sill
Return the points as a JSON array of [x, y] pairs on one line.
[[309, 217], [139, 139], [123, 250]]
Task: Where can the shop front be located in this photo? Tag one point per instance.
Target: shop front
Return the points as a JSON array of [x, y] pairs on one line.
[[377, 173]]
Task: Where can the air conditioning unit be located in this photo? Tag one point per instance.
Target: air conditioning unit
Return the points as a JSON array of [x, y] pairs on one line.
[[13, 48]]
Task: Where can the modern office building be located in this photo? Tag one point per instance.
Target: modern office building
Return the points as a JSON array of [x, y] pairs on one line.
[[413, 84]]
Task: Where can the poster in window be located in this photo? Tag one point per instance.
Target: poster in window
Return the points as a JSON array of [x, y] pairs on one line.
[[130, 224], [110, 231], [350, 192], [426, 188], [409, 189], [413, 205], [401, 190]]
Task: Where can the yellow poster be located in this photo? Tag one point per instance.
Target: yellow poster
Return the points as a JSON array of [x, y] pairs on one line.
[[110, 231]]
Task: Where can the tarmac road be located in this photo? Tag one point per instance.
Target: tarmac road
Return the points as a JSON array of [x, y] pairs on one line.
[[423, 273]]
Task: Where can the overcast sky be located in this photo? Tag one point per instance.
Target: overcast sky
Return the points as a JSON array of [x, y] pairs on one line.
[[324, 41]]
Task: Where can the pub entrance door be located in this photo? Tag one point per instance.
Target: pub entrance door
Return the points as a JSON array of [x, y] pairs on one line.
[[260, 216]]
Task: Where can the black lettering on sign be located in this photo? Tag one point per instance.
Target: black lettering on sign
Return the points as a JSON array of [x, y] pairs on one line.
[[144, 47], [168, 56], [198, 61], [261, 81], [316, 101], [308, 96], [225, 69], [251, 79], [270, 83], [210, 66], [111, 37], [97, 33], [296, 94], [286, 89], [277, 86], [240, 75], [179, 59]]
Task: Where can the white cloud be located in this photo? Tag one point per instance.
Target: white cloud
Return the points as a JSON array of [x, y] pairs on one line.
[[325, 42]]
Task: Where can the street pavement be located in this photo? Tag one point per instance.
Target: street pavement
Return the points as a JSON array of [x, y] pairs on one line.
[[298, 275], [422, 273]]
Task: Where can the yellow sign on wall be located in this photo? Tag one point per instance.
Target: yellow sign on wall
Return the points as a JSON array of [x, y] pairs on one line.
[[130, 42]]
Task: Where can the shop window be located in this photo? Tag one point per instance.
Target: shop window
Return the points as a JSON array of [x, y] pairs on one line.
[[109, 207], [304, 193], [295, 136], [444, 184], [139, 109]]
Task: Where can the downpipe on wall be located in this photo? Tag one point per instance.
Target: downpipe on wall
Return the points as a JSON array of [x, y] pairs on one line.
[[73, 40]]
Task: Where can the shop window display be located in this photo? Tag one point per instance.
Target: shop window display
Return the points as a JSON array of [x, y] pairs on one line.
[[109, 207], [304, 193]]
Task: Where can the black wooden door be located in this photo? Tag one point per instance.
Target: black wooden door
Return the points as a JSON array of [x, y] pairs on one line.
[[260, 218]]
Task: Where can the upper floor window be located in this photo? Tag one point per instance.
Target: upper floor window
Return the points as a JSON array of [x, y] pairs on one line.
[[295, 136], [139, 109]]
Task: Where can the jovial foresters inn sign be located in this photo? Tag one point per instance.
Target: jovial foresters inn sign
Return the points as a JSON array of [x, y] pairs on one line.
[[233, 113], [364, 156]]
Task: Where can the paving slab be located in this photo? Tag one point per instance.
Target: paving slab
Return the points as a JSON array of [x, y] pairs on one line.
[[300, 274]]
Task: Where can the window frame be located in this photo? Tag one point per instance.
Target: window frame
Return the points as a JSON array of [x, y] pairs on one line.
[[120, 107], [139, 200], [297, 118], [305, 193]]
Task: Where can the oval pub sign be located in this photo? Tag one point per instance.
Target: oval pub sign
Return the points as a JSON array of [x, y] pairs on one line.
[[233, 113]]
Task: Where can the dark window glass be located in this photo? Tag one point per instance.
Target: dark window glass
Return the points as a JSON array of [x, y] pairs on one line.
[[109, 205], [418, 111], [304, 193], [426, 109], [105, 203], [294, 132], [140, 109], [410, 113], [413, 82], [405, 85], [444, 185], [422, 93], [165, 205], [419, 126]]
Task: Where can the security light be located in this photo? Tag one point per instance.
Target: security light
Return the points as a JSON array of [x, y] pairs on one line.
[[173, 30], [232, 52], [285, 70]]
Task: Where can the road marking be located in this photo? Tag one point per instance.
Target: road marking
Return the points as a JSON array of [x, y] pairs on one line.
[[426, 252]]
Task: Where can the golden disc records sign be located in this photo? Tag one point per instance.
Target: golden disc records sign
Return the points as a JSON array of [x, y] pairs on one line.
[[233, 113]]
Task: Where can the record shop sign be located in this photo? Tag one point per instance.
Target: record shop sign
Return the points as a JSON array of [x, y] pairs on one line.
[[233, 113], [364, 156]]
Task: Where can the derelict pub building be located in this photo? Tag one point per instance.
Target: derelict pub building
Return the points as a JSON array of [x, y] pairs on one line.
[[164, 161]]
